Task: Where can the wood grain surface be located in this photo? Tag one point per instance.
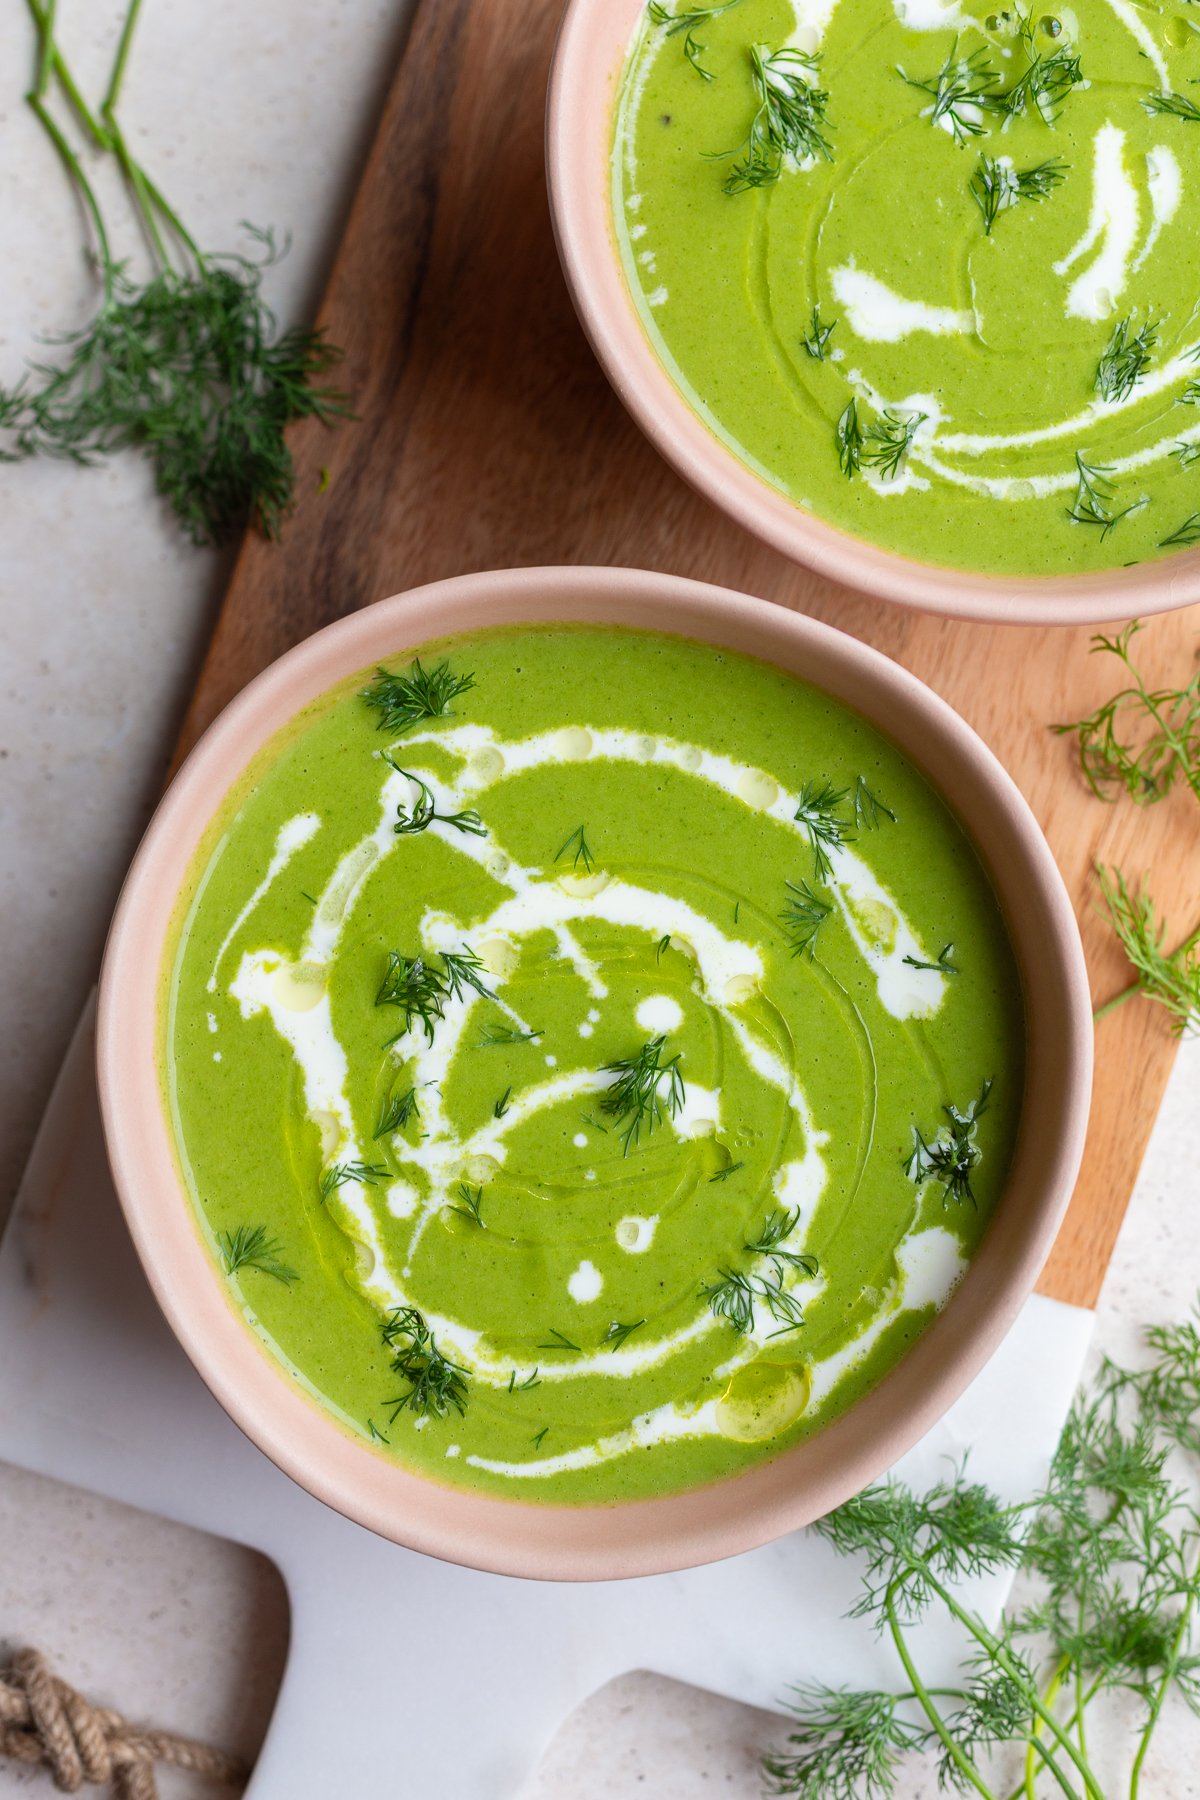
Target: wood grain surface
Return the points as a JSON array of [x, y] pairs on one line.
[[487, 437]]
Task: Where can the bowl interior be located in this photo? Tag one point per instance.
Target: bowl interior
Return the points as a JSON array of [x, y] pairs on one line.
[[770, 1498], [585, 78]]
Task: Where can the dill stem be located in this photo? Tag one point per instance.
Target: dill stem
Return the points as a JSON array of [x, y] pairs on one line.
[[958, 1757], [46, 55], [124, 46], [52, 61], [74, 169], [1102, 1012], [1035, 1738], [1163, 1688]]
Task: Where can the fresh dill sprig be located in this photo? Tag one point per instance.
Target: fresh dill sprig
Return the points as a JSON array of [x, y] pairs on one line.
[[777, 1226], [1191, 393], [461, 970], [636, 1097], [962, 91], [1092, 504], [943, 965], [364, 1174], [1109, 1601], [470, 1199], [687, 20], [397, 1110], [789, 122], [887, 441], [816, 338], [402, 701], [733, 1297], [616, 1334], [434, 1383], [423, 812], [1178, 106], [536, 1439], [1044, 85], [868, 807], [559, 1341], [824, 826], [1172, 977], [1184, 536], [502, 1104], [249, 1247], [415, 985], [996, 185], [522, 1387], [377, 1436], [727, 1171], [582, 853], [803, 915], [492, 1036], [664, 943], [1126, 359], [953, 1154], [1186, 454], [848, 436], [1142, 740]]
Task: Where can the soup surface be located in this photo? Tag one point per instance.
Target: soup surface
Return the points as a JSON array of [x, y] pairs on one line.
[[932, 275], [593, 1057]]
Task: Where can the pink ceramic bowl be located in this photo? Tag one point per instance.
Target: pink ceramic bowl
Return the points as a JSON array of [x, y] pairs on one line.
[[642, 1537], [584, 80]]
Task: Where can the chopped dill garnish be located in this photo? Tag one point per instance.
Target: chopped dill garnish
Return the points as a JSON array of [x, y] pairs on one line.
[[1191, 393], [462, 971], [595, 1124], [727, 1171], [636, 1098], [887, 442], [953, 1154], [375, 1432], [1178, 106], [502, 1104], [687, 20], [1044, 85], [826, 829], [364, 1174], [582, 853], [1172, 977], [943, 965], [1186, 454], [470, 1201], [803, 915], [1184, 536], [402, 701], [536, 1439], [423, 811], [398, 1109], [305, 895], [733, 1296], [434, 1383], [777, 1226], [816, 338], [616, 1334], [493, 1035], [868, 807], [1093, 498], [249, 1247], [558, 1342], [1147, 764], [421, 990], [1125, 359], [664, 943], [788, 123], [522, 1387], [962, 91], [849, 439], [996, 185]]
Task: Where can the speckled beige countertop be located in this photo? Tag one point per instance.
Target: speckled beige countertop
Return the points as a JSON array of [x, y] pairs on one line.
[[259, 113]]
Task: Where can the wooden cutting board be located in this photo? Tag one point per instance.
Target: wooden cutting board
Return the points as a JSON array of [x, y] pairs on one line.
[[487, 437]]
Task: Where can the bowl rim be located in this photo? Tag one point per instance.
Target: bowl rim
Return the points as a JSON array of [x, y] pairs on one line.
[[589, 55], [768, 1499]]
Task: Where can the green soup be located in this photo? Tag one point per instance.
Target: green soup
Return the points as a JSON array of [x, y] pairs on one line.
[[933, 278], [593, 1087]]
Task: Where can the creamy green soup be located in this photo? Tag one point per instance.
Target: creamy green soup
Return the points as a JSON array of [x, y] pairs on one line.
[[934, 276], [593, 1057]]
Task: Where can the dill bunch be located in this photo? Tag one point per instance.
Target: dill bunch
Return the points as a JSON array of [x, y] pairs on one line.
[[1172, 977], [187, 366]]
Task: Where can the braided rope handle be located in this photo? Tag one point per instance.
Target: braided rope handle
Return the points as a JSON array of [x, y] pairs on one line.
[[44, 1721]]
